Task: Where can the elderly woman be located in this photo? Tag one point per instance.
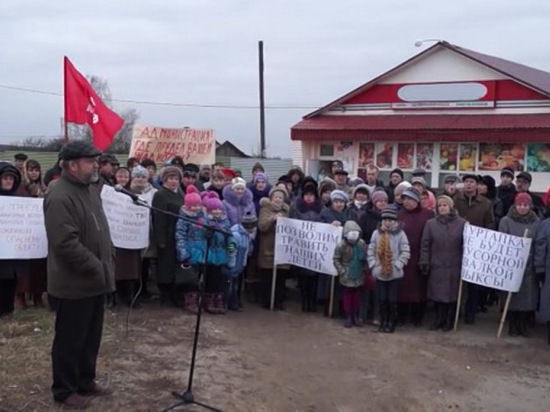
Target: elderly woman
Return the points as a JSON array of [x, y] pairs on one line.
[[441, 260]]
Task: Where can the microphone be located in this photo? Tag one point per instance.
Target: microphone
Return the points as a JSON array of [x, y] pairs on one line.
[[133, 196]]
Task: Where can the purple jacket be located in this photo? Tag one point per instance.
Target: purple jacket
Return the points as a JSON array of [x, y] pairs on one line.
[[235, 207]]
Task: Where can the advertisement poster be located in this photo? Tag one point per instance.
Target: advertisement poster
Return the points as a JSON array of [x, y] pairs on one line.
[[424, 155], [366, 154], [405, 155], [468, 152], [448, 156], [495, 156], [384, 156], [538, 157]]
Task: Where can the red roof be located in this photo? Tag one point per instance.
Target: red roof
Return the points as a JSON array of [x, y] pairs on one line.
[[490, 127], [533, 78]]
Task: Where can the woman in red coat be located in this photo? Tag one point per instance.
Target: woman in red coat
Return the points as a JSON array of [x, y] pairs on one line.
[[412, 289]]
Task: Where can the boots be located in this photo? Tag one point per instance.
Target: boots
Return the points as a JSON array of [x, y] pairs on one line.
[[191, 302], [208, 303], [220, 304], [383, 317], [348, 323], [513, 329], [522, 324], [438, 320], [37, 300], [21, 301], [392, 317], [357, 320], [450, 310]]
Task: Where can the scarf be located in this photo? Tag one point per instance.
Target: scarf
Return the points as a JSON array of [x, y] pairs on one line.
[[385, 255]]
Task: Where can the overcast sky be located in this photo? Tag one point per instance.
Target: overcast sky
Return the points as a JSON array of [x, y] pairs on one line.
[[205, 52]]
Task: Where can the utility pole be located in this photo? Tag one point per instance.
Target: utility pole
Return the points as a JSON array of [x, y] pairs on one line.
[[262, 102]]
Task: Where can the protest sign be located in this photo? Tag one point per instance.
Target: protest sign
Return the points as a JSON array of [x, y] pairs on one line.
[[160, 144], [22, 229], [128, 223], [494, 259], [306, 244]]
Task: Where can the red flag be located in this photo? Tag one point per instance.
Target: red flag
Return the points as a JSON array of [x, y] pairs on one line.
[[83, 106]]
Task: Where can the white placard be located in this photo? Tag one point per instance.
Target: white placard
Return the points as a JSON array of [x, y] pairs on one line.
[[22, 228], [494, 259], [128, 223], [306, 244]]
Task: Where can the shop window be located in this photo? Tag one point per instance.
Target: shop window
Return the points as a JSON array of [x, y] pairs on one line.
[[326, 150], [405, 155], [468, 154], [384, 155], [424, 155], [448, 157], [366, 154], [495, 156], [538, 157]]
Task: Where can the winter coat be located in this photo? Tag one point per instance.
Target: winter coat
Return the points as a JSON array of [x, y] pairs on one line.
[[306, 211], [356, 212], [10, 267], [218, 255], [441, 252], [80, 251], [190, 237], [237, 207], [164, 228], [506, 194], [400, 253], [538, 204], [412, 288], [369, 221], [329, 215], [211, 188], [542, 265], [147, 195], [266, 227], [477, 210], [526, 298], [258, 195], [350, 258], [243, 243]]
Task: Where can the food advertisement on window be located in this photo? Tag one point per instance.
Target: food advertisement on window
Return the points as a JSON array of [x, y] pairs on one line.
[[384, 156], [448, 156], [495, 156], [405, 155], [538, 157], [424, 155], [468, 153], [366, 154]]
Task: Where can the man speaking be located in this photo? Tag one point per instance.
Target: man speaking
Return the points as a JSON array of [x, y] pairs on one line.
[[80, 272]]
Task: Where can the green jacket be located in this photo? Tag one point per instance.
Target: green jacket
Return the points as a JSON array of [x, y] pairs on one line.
[[80, 251], [350, 260]]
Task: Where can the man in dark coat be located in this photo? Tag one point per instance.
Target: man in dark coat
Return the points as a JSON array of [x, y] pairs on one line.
[[523, 183], [506, 191], [80, 273]]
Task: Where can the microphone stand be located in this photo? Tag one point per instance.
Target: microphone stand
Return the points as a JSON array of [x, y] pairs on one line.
[[187, 396]]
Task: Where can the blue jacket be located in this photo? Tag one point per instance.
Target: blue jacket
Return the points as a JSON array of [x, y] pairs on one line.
[[191, 238], [244, 244], [218, 254]]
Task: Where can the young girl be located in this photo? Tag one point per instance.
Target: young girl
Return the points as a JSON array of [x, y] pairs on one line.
[[349, 260], [387, 255], [122, 176]]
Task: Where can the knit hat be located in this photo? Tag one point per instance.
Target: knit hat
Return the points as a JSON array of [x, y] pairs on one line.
[[211, 201], [419, 179], [339, 195], [389, 213], [360, 188], [169, 171], [401, 187], [238, 182], [357, 181], [526, 176], [379, 195], [412, 193], [139, 171], [192, 197], [260, 177], [249, 220], [523, 197], [507, 171], [278, 189], [258, 166], [397, 171], [228, 173], [446, 199]]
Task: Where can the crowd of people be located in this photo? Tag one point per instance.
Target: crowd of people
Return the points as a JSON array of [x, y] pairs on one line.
[[401, 246]]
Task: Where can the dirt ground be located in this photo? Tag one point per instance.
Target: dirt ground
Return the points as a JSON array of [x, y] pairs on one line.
[[258, 360]]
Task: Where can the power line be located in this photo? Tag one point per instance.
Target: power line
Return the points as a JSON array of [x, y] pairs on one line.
[[171, 104]]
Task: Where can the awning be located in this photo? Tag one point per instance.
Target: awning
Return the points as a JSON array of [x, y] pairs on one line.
[[494, 127]]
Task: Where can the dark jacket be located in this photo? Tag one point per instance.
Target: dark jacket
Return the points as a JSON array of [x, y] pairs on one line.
[[80, 251], [369, 221], [329, 215], [506, 194], [10, 267], [542, 265], [306, 211], [441, 253], [477, 210]]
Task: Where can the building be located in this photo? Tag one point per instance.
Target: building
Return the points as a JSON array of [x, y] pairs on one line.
[[447, 109]]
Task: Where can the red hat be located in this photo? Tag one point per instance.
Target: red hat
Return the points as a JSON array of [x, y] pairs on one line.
[[229, 173], [523, 197], [192, 197]]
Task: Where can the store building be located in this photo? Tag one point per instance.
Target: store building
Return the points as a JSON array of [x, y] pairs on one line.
[[446, 109]]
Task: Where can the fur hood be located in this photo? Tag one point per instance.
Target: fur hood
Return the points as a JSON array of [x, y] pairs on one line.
[[266, 202], [229, 197]]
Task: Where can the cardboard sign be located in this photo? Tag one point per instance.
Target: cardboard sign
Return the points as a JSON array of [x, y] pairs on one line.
[[494, 259], [309, 245], [160, 144], [22, 228], [128, 223]]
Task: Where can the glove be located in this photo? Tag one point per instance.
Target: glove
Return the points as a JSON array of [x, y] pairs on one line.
[[540, 276]]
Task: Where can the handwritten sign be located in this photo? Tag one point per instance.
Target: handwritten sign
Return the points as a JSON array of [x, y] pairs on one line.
[[128, 223], [160, 144], [494, 259], [22, 229], [306, 244]]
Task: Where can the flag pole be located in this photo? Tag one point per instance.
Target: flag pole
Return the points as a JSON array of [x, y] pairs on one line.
[[65, 99]]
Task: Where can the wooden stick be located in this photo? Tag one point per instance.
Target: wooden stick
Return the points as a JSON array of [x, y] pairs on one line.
[[458, 303], [504, 313], [273, 284], [331, 302]]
